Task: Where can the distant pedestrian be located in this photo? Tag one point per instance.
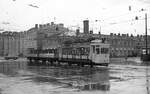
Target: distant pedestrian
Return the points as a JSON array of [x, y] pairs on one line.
[[126, 58]]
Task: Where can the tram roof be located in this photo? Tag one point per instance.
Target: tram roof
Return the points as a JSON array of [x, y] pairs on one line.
[[97, 40]]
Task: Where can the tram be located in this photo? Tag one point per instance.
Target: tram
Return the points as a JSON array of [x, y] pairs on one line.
[[91, 53]]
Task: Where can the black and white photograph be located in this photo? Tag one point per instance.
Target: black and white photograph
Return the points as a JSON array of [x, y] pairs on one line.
[[74, 47]]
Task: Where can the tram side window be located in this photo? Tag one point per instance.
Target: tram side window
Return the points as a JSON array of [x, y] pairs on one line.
[[93, 48], [97, 51], [104, 50], [143, 51]]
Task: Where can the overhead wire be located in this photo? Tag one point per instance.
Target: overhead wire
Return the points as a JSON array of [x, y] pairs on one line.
[[129, 13]]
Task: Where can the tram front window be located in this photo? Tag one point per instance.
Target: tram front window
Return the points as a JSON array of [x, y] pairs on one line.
[[104, 50]]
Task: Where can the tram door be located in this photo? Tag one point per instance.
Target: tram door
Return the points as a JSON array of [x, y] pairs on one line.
[[95, 53]]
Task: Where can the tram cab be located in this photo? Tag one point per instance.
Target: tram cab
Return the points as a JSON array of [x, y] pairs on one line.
[[99, 52]]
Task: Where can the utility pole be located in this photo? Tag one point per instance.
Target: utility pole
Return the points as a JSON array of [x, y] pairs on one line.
[[147, 80], [146, 32]]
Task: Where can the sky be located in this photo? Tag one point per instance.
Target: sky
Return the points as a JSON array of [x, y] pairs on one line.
[[106, 16]]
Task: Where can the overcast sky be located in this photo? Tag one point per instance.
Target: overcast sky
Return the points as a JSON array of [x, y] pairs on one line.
[[112, 16]]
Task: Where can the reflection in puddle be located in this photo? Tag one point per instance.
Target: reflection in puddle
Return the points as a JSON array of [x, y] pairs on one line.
[[19, 77], [11, 68], [69, 77], [73, 77], [96, 86]]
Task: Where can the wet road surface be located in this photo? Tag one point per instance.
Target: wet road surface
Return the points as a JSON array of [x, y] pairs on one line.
[[16, 77]]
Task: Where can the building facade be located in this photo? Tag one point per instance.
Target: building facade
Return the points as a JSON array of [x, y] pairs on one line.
[[122, 45], [1, 44], [43, 36], [51, 35], [10, 44]]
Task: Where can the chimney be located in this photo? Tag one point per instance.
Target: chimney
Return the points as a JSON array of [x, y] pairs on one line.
[[52, 23], [48, 24], [111, 34], [86, 26], [127, 35], [77, 32], [36, 26], [40, 26], [99, 33], [131, 35]]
